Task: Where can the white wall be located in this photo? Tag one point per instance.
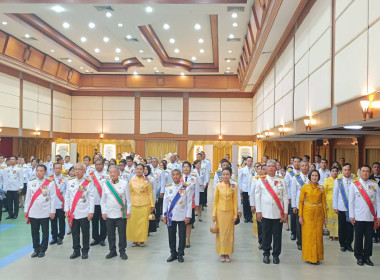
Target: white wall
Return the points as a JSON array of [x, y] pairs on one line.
[[10, 101], [61, 112]]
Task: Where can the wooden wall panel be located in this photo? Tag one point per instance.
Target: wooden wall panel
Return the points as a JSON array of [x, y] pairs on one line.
[[219, 82], [63, 72], [50, 66], [107, 80], [76, 77], [179, 81], [36, 59], [15, 49], [3, 39]]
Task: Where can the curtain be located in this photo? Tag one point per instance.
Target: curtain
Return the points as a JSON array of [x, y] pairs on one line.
[[160, 148], [37, 147], [282, 151], [372, 155], [324, 151], [86, 147], [219, 151], [349, 155]]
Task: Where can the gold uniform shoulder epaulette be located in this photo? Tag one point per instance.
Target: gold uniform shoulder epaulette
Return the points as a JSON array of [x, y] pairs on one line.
[[234, 180], [290, 169], [297, 174], [49, 179], [185, 184], [108, 172], [32, 179], [281, 176], [65, 175], [88, 179], [194, 174], [2, 167], [71, 178], [168, 185], [374, 181], [257, 176], [355, 180]]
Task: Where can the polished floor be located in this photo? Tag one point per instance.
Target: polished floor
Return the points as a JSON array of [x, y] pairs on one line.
[[201, 261]]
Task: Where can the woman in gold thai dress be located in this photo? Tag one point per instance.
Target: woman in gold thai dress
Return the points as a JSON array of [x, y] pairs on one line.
[[332, 218], [312, 215], [142, 206], [225, 212]]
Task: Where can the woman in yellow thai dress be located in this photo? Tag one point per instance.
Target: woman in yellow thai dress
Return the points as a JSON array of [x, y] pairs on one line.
[[225, 212], [312, 215], [332, 218], [142, 205]]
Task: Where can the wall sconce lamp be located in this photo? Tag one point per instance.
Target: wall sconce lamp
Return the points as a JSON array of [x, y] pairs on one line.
[[220, 137], [36, 133], [101, 135], [366, 109], [259, 136], [308, 122], [267, 134], [354, 142], [325, 142], [283, 129]]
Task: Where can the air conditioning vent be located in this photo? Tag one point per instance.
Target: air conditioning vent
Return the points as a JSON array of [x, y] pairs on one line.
[[235, 9], [103, 8], [233, 39], [232, 58], [131, 40], [29, 38]]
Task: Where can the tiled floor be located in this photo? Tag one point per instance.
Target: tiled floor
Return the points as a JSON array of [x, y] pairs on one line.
[[201, 262]]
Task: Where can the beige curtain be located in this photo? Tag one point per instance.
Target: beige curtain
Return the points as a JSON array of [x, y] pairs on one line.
[[160, 148], [220, 149], [282, 151], [372, 155], [86, 147], [37, 147], [349, 155]]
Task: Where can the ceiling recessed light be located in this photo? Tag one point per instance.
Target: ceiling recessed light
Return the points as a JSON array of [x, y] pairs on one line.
[[141, 51], [135, 73], [117, 58], [228, 60], [66, 25], [157, 71], [149, 60], [229, 51], [91, 25], [155, 68], [166, 26], [172, 41], [96, 50], [4, 23], [197, 26], [106, 39], [27, 36], [201, 50], [83, 39], [148, 9], [176, 50], [200, 41], [228, 68], [52, 51], [357, 127], [227, 71], [182, 74], [193, 58], [231, 36], [81, 67], [87, 71], [118, 50], [120, 25], [69, 60], [234, 15], [58, 9], [234, 24], [129, 37], [108, 14]]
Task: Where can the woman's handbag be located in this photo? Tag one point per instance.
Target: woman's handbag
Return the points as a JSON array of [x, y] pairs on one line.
[[214, 229]]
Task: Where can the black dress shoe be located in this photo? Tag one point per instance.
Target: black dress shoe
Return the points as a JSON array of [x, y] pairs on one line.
[[59, 241], [266, 260], [9, 217], [41, 254], [251, 221], [54, 241], [123, 256], [102, 243], [111, 255], [299, 247], [343, 249], [276, 260], [75, 255], [181, 259], [171, 258], [260, 246], [93, 243], [84, 256], [245, 220], [349, 248], [375, 240], [69, 233], [34, 255], [368, 262], [292, 237], [360, 262], [14, 217], [187, 246]]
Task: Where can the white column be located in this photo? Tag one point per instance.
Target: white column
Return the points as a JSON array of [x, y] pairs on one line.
[[73, 153]]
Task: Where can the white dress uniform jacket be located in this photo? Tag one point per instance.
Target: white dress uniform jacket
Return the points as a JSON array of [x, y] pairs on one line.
[[324, 174], [13, 178], [183, 207], [296, 189], [32, 173], [44, 205], [358, 208], [100, 176], [49, 168], [338, 202], [85, 204], [61, 182], [109, 204], [67, 166], [159, 177], [244, 178], [264, 200], [289, 179]]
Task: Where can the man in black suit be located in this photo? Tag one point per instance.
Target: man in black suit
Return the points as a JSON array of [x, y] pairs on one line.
[[376, 176]]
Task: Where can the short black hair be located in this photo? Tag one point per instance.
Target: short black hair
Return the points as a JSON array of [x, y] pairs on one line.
[[123, 161], [87, 157], [16, 158], [311, 172], [318, 156], [43, 166], [347, 164], [365, 165], [176, 170], [376, 162], [129, 158], [149, 169], [325, 160], [249, 157], [56, 164], [334, 167], [307, 156], [186, 162], [228, 169]]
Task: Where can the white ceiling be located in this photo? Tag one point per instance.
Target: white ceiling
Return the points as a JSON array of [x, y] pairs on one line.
[[181, 19]]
